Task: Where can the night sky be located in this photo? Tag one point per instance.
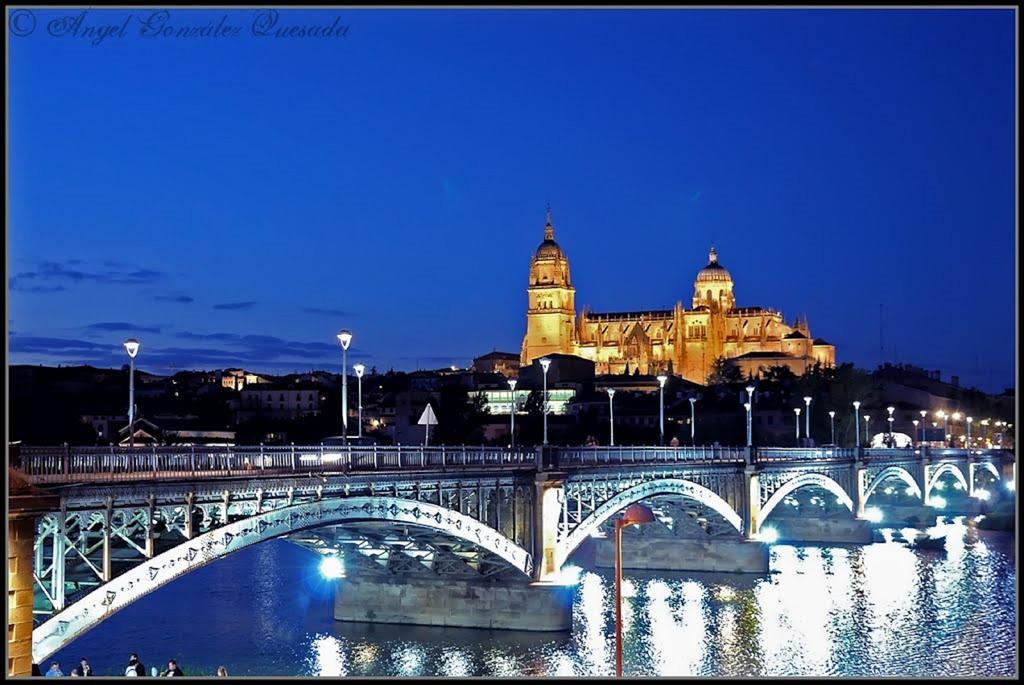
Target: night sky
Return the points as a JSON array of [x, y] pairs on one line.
[[235, 201]]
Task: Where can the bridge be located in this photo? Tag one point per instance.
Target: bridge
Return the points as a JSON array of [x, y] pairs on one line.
[[125, 521]]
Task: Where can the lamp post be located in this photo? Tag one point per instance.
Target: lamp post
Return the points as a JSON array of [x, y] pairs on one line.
[[749, 406], [512, 384], [661, 408], [890, 410], [867, 429], [916, 435], [856, 420], [693, 422], [545, 363], [131, 346], [635, 515], [970, 420], [359, 369], [892, 442], [945, 423], [955, 417], [345, 338], [611, 418], [796, 410], [807, 417], [832, 425]]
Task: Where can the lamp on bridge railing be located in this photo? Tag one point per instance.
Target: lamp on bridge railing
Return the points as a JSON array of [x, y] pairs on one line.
[[512, 384], [916, 434], [661, 408], [970, 420], [345, 338], [832, 425], [867, 430], [131, 346], [891, 443], [796, 410], [890, 410], [359, 369], [856, 420], [635, 515], [746, 405], [693, 422], [611, 417], [807, 417], [545, 363]]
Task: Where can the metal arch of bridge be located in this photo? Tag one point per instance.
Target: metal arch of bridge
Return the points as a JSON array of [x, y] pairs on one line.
[[800, 481], [142, 579], [652, 488], [889, 472], [945, 467]]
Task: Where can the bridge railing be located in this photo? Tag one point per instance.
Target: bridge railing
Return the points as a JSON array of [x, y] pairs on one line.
[[54, 464], [582, 456], [773, 454]]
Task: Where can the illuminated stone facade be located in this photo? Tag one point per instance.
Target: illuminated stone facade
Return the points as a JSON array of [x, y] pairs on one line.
[[682, 341]]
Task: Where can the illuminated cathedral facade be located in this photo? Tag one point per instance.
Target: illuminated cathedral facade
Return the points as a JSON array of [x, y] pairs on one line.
[[684, 341]]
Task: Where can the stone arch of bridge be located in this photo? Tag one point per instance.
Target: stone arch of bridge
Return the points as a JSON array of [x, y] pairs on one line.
[[943, 469], [890, 472], [151, 574], [990, 467], [636, 493], [801, 481]]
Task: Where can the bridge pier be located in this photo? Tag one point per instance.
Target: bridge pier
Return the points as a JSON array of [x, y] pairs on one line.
[[548, 497], [426, 601], [752, 505], [860, 479]]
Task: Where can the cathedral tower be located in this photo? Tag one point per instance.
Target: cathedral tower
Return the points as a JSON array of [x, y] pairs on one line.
[[551, 308]]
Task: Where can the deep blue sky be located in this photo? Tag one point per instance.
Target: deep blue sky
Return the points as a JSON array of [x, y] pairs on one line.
[[237, 200]]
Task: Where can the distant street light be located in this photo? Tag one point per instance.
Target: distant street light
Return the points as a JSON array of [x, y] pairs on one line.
[[611, 418], [917, 436], [635, 515], [693, 422], [512, 384], [661, 405], [545, 363], [131, 346], [856, 420], [890, 410], [796, 410], [832, 425], [970, 420], [807, 417], [345, 338], [359, 368], [867, 429]]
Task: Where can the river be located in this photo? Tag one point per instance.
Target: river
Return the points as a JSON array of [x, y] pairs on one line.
[[884, 609]]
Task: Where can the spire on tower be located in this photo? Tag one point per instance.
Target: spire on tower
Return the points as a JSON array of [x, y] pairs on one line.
[[713, 256], [549, 230]]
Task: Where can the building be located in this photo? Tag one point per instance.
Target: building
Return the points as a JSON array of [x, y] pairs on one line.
[[280, 401], [681, 341], [505, 363]]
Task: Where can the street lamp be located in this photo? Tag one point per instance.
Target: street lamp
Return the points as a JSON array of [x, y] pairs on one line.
[[693, 419], [611, 418], [661, 407], [345, 338], [867, 429], [891, 439], [796, 410], [856, 420], [512, 384], [916, 434], [746, 405], [890, 410], [359, 368], [807, 417], [970, 420], [131, 346], [635, 515], [832, 425], [545, 363]]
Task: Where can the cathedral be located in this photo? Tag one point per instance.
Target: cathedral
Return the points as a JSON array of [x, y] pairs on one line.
[[680, 341]]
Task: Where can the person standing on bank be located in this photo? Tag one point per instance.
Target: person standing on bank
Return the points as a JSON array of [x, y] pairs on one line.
[[55, 671], [84, 668], [172, 669], [135, 667], [222, 672]]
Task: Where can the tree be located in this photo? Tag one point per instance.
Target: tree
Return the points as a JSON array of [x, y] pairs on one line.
[[722, 372]]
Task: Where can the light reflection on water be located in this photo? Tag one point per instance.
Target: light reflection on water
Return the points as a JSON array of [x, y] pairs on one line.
[[879, 609]]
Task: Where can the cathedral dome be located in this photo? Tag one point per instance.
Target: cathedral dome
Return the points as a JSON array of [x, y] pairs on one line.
[[549, 249], [713, 272]]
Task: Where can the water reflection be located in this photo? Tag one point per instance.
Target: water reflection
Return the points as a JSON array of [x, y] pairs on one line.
[[888, 608]]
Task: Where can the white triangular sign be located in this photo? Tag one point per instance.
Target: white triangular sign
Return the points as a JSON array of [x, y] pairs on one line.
[[427, 418]]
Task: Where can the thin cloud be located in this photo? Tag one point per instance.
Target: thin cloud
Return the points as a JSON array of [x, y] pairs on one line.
[[183, 299], [50, 276], [319, 311], [235, 305], [114, 326]]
